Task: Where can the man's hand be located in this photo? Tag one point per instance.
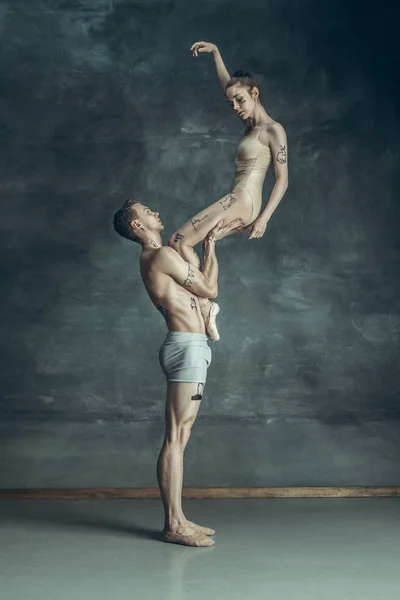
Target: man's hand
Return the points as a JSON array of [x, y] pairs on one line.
[[220, 230]]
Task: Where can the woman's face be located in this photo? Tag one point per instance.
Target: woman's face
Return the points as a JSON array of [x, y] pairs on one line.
[[241, 101]]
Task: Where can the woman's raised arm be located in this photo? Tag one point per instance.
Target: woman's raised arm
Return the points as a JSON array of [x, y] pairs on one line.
[[222, 72]]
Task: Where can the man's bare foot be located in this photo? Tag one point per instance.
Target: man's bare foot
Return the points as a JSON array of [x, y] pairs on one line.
[[201, 529], [187, 536], [209, 312]]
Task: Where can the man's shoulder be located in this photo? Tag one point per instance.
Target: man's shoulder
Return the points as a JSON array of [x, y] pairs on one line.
[[166, 257], [165, 253]]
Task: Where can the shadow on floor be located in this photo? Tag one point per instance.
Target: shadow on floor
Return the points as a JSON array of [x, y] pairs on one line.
[[74, 514]]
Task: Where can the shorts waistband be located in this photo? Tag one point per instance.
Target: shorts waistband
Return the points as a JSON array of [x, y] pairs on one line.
[[185, 336]]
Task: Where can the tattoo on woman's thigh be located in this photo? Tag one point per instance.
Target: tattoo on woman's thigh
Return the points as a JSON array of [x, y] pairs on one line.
[[193, 221], [228, 201]]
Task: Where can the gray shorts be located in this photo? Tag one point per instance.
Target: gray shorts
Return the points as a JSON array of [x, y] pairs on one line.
[[185, 356]]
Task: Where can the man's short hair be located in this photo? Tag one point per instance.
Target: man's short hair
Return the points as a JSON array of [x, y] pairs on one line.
[[122, 220]]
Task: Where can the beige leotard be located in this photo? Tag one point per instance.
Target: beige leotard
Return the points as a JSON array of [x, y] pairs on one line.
[[252, 161]]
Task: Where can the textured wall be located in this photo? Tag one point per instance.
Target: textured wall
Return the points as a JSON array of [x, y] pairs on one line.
[[102, 100]]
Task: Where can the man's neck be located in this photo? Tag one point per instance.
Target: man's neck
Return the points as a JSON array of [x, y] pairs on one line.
[[152, 242]]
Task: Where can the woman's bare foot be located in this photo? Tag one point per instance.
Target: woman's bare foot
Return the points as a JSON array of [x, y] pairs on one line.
[[187, 536]]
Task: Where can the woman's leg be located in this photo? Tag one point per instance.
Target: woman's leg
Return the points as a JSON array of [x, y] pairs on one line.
[[182, 406], [235, 205]]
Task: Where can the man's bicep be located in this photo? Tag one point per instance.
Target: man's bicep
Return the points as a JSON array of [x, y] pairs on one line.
[[187, 275]]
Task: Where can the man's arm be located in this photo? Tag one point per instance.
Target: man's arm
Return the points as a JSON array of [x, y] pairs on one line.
[[203, 284], [210, 262]]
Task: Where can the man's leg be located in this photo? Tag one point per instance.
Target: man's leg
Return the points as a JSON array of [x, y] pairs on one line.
[[182, 406]]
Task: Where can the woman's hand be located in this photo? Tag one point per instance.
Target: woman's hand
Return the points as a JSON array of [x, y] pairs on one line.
[[257, 228], [203, 47]]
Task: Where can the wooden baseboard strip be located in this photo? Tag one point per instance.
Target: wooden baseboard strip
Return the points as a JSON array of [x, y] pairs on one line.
[[231, 492]]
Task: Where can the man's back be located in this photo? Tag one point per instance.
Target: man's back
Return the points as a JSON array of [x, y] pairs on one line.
[[178, 305]]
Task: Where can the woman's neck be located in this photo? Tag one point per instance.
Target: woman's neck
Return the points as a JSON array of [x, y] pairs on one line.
[[260, 117]]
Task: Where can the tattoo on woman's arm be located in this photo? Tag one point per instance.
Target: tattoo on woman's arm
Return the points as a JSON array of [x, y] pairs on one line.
[[190, 277], [193, 304], [281, 156], [228, 201], [193, 221]]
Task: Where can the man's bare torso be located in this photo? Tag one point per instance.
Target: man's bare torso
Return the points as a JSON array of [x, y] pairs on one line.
[[179, 307]]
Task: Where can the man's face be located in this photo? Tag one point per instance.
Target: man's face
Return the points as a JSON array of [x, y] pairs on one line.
[[149, 218]]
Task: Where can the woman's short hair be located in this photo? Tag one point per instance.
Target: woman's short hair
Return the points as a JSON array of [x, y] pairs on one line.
[[243, 78]]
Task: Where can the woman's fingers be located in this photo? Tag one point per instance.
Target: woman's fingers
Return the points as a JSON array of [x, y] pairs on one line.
[[195, 46], [200, 47]]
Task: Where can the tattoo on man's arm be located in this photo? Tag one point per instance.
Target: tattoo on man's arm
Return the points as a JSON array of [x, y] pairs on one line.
[[193, 304], [193, 221], [178, 236], [228, 201], [190, 277], [163, 311], [281, 156]]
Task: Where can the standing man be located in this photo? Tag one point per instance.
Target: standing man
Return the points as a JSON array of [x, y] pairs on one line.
[[175, 286]]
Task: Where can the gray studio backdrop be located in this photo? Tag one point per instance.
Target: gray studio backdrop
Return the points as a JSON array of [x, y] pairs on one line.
[[102, 100]]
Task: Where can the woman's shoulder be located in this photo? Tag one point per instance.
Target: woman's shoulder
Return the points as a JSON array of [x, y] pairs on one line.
[[270, 130], [274, 127], [269, 126]]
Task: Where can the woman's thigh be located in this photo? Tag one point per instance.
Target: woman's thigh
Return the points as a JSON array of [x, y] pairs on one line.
[[235, 205]]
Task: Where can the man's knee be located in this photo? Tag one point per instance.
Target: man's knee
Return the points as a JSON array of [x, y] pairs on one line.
[[185, 435], [180, 434]]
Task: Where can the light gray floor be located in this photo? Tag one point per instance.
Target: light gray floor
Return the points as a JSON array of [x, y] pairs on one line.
[[284, 549]]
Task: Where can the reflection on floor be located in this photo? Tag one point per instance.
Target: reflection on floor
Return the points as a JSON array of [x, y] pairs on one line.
[[283, 549]]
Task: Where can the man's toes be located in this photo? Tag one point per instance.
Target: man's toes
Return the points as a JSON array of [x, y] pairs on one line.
[[195, 539], [201, 529]]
